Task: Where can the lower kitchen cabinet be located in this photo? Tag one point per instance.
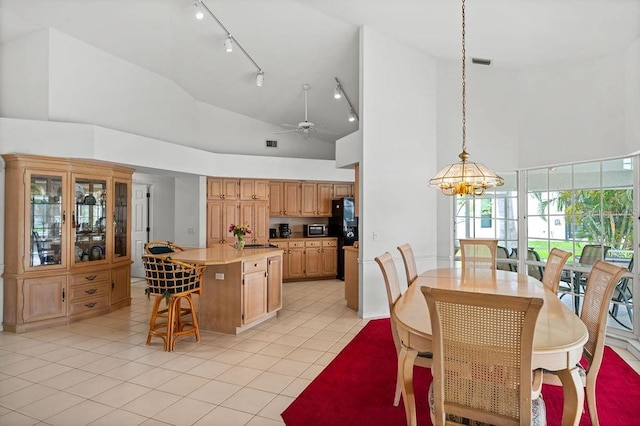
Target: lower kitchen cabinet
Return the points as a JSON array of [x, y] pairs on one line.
[[274, 283], [254, 290], [308, 258]]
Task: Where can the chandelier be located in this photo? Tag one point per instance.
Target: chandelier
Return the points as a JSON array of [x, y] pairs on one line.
[[465, 177]]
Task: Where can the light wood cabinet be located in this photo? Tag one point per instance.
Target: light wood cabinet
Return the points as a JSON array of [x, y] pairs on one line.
[[256, 214], [341, 190], [254, 290], [222, 188], [120, 283], [313, 258], [295, 260], [274, 283], [329, 258], [220, 215], [316, 199], [351, 276], [63, 218], [276, 199], [284, 198], [254, 189]]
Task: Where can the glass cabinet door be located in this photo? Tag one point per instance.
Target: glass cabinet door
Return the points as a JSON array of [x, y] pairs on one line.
[[47, 217], [90, 220], [121, 219]]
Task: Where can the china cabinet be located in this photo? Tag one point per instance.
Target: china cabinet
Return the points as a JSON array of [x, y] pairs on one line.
[[67, 240]]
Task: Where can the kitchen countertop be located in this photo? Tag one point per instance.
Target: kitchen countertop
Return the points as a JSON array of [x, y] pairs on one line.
[[222, 255]]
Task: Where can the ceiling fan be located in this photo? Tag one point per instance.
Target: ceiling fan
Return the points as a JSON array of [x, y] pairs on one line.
[[305, 127]]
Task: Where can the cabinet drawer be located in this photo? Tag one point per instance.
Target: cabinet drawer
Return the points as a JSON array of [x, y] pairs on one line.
[[315, 243], [90, 277], [90, 290], [89, 305], [329, 243], [298, 243], [253, 266]]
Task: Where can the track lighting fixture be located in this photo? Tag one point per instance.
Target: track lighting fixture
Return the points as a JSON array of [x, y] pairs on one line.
[[199, 13], [230, 41], [339, 93]]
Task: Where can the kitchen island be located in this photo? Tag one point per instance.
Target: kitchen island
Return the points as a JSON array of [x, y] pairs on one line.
[[240, 288]]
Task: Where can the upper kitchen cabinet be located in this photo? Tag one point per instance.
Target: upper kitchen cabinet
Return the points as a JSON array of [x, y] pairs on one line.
[[222, 188], [342, 190], [254, 189], [316, 199], [284, 198], [66, 229]]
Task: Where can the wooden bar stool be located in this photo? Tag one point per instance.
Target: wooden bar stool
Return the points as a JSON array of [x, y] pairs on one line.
[[172, 281]]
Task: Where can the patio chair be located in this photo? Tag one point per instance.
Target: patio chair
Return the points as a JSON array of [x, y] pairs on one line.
[[623, 298], [602, 280], [482, 355], [503, 253], [409, 262], [589, 255], [478, 253], [392, 283]]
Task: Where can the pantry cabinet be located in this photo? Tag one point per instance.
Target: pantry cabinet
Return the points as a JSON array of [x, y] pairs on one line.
[[220, 215], [256, 214], [64, 218]]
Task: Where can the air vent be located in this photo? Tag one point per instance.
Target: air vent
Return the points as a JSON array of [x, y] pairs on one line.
[[271, 144], [481, 61]]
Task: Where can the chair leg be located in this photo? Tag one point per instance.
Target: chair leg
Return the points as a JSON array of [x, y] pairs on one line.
[[590, 389], [154, 318], [171, 322], [396, 398]]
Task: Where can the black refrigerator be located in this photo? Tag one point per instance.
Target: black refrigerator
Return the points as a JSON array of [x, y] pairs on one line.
[[343, 224]]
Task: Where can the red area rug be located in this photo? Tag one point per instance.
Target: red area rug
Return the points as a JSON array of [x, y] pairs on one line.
[[357, 388]]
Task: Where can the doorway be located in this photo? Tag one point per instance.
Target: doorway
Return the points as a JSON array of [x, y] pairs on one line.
[[140, 231]]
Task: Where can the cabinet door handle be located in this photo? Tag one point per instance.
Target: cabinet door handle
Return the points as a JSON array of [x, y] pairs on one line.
[[73, 220], [90, 305], [90, 277], [64, 216], [91, 290], [63, 295]]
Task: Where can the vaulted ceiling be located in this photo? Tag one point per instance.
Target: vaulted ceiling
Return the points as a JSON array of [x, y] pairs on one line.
[[312, 41]]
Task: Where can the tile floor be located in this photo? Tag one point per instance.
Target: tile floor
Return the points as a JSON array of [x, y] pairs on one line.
[[101, 372]]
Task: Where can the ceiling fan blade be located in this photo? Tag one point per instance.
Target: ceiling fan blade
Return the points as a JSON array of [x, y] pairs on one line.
[[295, 126], [286, 131]]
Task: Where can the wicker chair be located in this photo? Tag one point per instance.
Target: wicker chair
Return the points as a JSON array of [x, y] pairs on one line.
[[603, 279], [161, 247], [172, 281], [477, 253], [482, 351], [409, 263], [392, 283], [553, 268]]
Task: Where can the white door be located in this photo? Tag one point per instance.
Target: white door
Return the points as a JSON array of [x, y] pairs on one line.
[[140, 233]]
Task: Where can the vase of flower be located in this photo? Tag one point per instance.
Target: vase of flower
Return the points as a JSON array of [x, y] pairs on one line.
[[239, 231]]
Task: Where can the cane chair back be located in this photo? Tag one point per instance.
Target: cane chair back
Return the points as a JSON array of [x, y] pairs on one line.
[[409, 262], [478, 253], [482, 349], [553, 268], [392, 284], [161, 247]]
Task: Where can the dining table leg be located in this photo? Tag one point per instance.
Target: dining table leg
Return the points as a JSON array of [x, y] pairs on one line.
[[406, 359], [573, 391]]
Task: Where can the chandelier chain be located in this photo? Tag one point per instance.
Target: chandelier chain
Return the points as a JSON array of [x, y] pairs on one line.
[[464, 85]]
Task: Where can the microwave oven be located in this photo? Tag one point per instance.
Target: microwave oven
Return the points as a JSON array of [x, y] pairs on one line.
[[315, 230]]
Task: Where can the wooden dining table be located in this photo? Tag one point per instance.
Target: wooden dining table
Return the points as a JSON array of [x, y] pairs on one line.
[[557, 343]]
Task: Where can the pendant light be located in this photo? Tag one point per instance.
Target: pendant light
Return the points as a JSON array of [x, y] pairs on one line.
[[465, 177]]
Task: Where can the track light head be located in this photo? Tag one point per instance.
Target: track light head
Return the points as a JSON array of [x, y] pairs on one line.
[[199, 13], [228, 44], [260, 78], [352, 116], [337, 93]]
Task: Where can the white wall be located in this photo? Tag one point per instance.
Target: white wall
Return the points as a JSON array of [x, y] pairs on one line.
[[398, 125], [632, 78]]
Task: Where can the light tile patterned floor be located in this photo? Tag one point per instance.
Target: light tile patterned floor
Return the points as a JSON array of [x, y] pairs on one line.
[[100, 371]]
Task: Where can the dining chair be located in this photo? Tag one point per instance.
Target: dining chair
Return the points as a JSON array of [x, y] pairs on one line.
[[172, 281], [553, 268], [623, 298], [482, 356], [409, 262], [478, 253], [392, 283], [161, 247], [602, 280]]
